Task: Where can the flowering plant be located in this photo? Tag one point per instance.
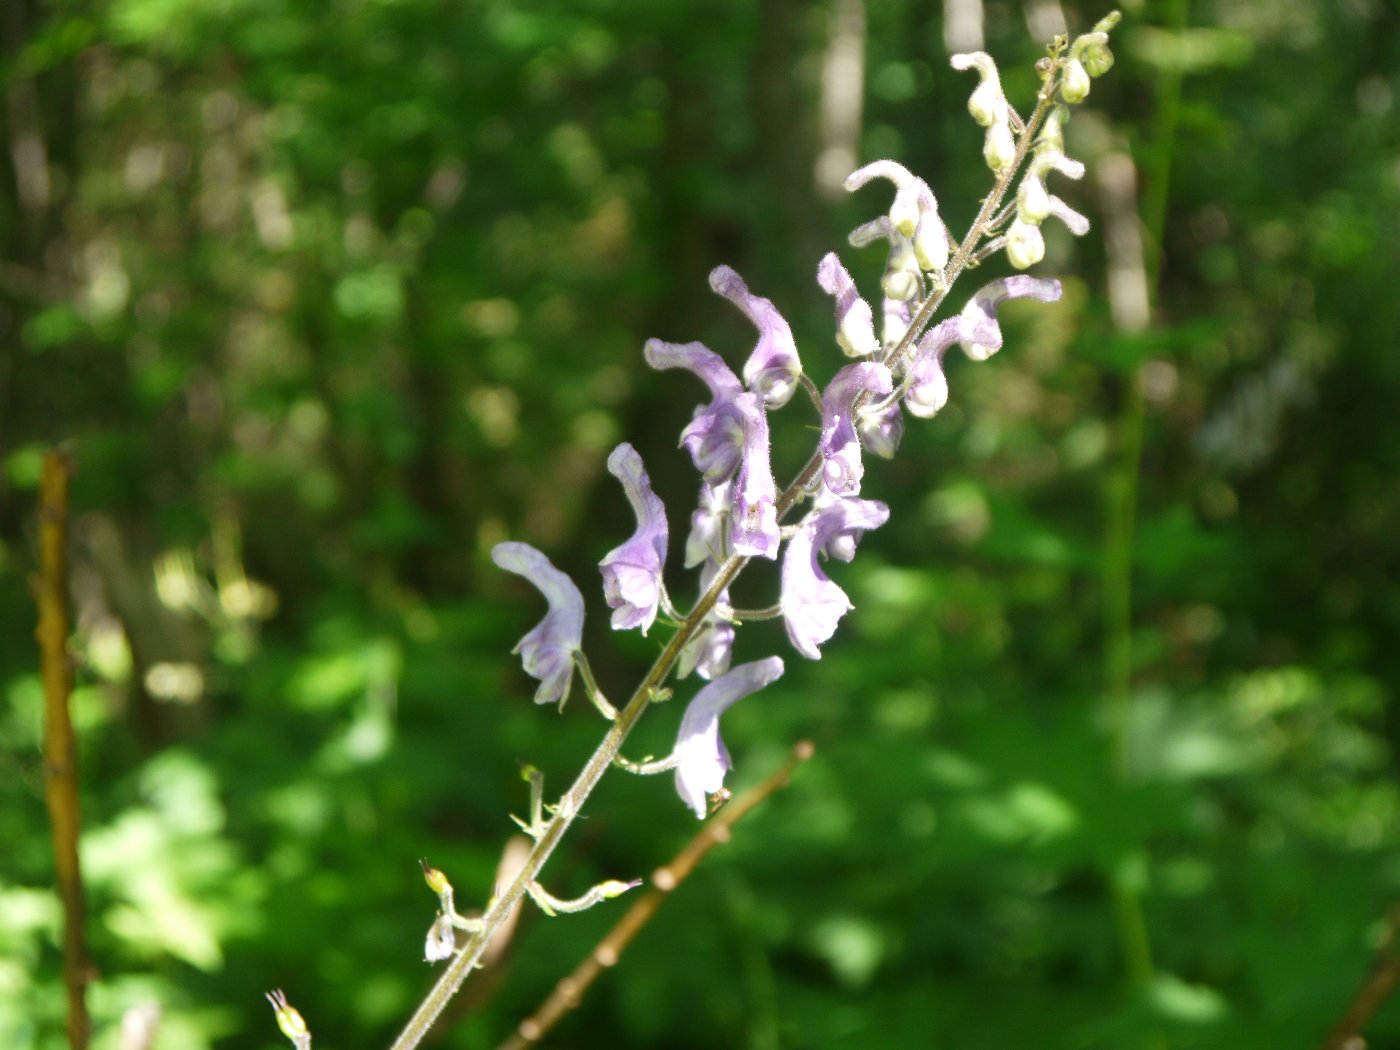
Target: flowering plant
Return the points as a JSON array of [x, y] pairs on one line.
[[741, 513]]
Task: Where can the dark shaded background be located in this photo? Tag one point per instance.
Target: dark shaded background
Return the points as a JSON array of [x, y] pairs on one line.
[[326, 298]]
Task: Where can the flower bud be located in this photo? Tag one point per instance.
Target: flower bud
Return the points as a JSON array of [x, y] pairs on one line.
[[1075, 85], [999, 149], [1032, 201], [931, 243], [436, 880], [1024, 245], [1098, 59]]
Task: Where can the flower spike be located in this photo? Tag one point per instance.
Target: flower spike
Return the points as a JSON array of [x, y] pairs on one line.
[[703, 758], [632, 572], [773, 367], [547, 652]]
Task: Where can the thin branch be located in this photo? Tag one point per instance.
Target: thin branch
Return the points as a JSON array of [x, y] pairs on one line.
[[569, 991], [60, 750], [1379, 983]]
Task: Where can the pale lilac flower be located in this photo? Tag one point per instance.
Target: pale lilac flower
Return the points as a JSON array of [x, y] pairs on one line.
[[715, 436], [709, 525], [728, 435], [708, 650], [812, 604], [981, 309], [547, 652], [632, 572], [855, 323], [704, 760], [754, 526], [840, 448], [842, 539], [926, 385], [880, 429], [773, 367]]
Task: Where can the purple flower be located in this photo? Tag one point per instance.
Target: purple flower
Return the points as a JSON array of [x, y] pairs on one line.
[[839, 446], [729, 434], [632, 572], [772, 369], [754, 526], [981, 310], [855, 324], [715, 436], [708, 650], [880, 430], [704, 760], [547, 652], [976, 329], [709, 525], [812, 604]]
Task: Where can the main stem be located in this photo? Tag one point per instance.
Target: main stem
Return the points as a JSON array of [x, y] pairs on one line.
[[571, 802]]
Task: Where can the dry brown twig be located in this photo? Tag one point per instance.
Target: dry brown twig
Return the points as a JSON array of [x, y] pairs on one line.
[[1379, 983], [60, 748], [568, 993]]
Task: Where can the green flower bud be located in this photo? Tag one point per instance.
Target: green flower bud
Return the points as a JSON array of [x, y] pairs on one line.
[[1098, 59], [1075, 85]]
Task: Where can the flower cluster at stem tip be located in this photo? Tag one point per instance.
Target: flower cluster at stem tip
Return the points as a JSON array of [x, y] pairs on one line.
[[862, 409]]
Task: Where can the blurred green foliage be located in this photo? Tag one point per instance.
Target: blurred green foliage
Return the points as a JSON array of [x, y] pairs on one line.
[[326, 298]]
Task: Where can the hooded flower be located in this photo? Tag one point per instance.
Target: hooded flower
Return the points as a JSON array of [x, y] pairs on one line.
[[754, 527], [880, 429], [914, 212], [547, 652], [709, 525], [728, 435], [708, 650], [704, 760], [840, 447], [715, 436], [812, 604], [981, 309], [855, 323], [773, 367], [632, 572]]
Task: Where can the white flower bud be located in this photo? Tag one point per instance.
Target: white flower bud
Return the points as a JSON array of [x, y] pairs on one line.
[[901, 280], [1024, 245], [1032, 200], [900, 284], [1075, 86], [999, 149], [931, 243]]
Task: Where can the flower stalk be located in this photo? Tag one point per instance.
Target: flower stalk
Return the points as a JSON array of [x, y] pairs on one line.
[[741, 511]]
